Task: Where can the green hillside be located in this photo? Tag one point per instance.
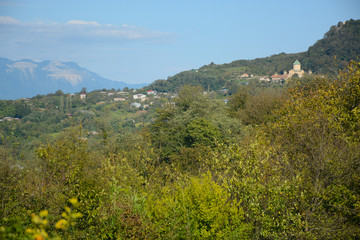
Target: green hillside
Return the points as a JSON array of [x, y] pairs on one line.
[[339, 45]]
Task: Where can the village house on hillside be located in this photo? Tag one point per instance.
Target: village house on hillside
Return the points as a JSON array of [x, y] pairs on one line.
[[139, 96], [278, 78], [245, 75], [135, 104], [264, 78], [151, 92]]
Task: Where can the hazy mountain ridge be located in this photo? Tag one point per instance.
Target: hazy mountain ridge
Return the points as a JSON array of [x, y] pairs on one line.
[[27, 78]]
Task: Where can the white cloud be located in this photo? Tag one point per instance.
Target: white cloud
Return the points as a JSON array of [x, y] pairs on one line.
[[74, 31], [4, 20], [109, 49], [83, 22]]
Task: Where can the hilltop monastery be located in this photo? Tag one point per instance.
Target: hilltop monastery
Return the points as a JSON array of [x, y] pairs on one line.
[[296, 70]]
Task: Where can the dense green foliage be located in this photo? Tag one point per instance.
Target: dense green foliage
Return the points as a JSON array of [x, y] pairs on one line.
[[339, 45], [274, 163], [208, 80], [16, 109]]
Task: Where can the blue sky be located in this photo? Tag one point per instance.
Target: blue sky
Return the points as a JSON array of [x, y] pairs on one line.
[[139, 41]]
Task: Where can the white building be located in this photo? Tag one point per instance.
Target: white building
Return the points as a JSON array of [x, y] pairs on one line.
[[139, 96]]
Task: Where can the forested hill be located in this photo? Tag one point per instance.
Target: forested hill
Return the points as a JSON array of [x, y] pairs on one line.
[[329, 54], [339, 45]]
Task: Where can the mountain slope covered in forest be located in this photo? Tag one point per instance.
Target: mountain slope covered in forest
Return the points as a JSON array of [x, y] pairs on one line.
[[329, 54]]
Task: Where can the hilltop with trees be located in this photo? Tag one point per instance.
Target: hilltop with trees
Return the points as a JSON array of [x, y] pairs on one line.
[[328, 55]]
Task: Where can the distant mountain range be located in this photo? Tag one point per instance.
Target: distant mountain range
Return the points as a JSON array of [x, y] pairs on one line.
[[27, 78]]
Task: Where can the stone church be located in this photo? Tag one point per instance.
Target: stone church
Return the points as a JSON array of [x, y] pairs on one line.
[[296, 70]]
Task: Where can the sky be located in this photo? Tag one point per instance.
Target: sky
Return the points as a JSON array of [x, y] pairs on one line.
[[140, 41]]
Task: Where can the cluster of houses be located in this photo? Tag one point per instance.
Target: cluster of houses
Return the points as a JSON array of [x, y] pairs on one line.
[[143, 98], [116, 99], [279, 78], [136, 99]]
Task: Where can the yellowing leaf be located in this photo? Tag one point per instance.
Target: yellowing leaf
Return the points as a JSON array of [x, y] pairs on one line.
[[62, 224], [44, 213]]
